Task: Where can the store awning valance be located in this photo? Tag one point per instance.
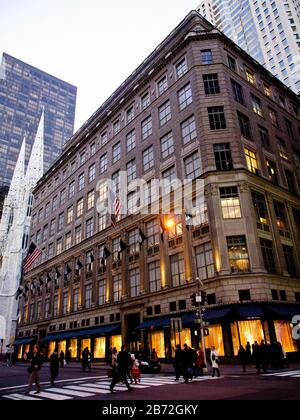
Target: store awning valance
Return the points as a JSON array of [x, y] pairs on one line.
[[250, 311], [24, 341], [284, 310], [216, 314], [54, 337], [160, 322], [106, 329]]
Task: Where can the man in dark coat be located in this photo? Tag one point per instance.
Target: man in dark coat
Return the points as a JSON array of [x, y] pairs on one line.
[[62, 358], [188, 360], [36, 360], [54, 366], [178, 362], [123, 364]]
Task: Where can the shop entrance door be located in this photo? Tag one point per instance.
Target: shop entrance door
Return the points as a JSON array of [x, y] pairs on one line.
[[133, 336]]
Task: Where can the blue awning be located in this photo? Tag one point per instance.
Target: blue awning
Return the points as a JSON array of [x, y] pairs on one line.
[[106, 329], [216, 314], [250, 311], [24, 341], [284, 310], [109, 329], [160, 322], [54, 337], [209, 315]]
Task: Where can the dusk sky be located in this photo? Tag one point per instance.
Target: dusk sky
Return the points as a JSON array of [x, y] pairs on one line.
[[93, 44]]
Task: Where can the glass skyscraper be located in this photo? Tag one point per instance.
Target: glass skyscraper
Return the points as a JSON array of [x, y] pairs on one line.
[[269, 30], [24, 92]]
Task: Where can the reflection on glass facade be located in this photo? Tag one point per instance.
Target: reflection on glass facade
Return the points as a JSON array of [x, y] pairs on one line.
[[24, 92]]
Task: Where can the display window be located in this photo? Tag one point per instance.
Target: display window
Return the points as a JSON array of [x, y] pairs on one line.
[[62, 345], [73, 348], [51, 347], [246, 331], [20, 350], [85, 342], [158, 343], [27, 348], [215, 338], [99, 348], [284, 336], [116, 342], [184, 337]]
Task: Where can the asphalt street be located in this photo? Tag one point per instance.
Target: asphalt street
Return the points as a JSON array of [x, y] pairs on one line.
[[72, 383]]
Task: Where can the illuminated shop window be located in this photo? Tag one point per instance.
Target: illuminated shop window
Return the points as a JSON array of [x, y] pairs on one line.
[[158, 343], [184, 337], [73, 348], [284, 336], [62, 345], [247, 331], [99, 348], [215, 338], [27, 348], [86, 342], [116, 342], [51, 348], [20, 351]]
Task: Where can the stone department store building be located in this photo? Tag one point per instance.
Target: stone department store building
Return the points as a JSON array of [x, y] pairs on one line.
[[197, 107]]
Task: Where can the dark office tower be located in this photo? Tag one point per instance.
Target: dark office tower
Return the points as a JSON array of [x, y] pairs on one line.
[[24, 92]]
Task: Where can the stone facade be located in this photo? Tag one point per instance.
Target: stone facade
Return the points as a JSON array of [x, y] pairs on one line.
[[192, 55]]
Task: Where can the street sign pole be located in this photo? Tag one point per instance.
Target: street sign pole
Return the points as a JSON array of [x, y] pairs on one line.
[[199, 301]]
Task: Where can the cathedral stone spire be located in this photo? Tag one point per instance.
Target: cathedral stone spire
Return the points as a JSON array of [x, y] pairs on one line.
[[35, 168], [14, 229]]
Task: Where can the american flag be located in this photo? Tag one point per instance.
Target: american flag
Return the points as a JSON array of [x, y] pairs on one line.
[[115, 211], [33, 253]]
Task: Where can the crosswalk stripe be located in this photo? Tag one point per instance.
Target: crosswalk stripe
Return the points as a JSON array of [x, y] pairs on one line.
[[71, 392], [21, 397], [290, 373], [94, 390], [53, 396], [105, 385], [149, 383]]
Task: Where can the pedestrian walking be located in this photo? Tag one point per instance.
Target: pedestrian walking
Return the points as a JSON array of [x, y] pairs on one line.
[[135, 373], [264, 355], [178, 362], [36, 359], [257, 356], [243, 356], [214, 357], [199, 362], [68, 356], [85, 359], [154, 355], [188, 363], [62, 358], [123, 365], [54, 366], [248, 352]]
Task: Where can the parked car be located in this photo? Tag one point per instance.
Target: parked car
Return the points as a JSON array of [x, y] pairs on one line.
[[148, 365]]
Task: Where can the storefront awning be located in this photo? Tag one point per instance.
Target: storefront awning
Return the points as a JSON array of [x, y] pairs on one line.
[[161, 322], [24, 341], [215, 314], [108, 329], [250, 311], [54, 337], [284, 310]]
